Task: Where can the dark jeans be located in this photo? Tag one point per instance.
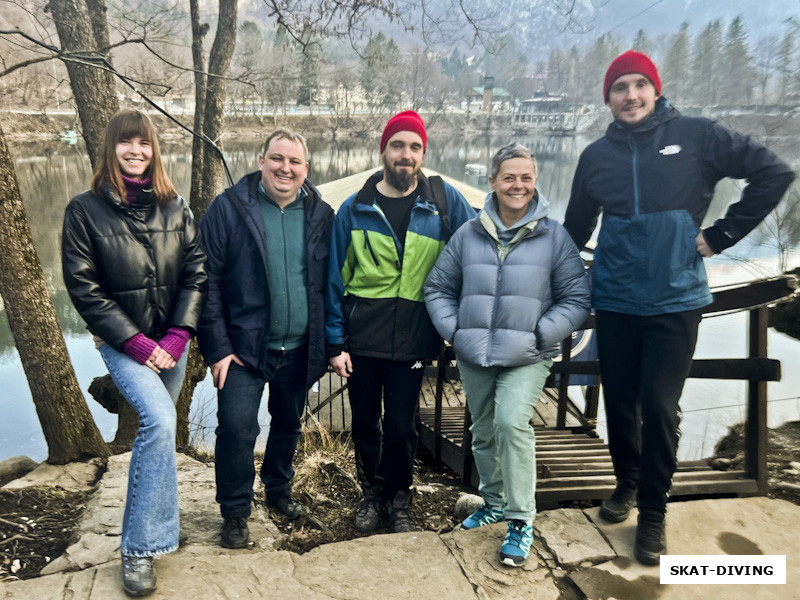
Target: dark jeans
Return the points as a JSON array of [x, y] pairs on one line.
[[384, 447], [644, 362], [238, 429]]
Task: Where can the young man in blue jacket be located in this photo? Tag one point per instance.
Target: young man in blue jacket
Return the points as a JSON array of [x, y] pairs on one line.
[[653, 175], [386, 239], [267, 240]]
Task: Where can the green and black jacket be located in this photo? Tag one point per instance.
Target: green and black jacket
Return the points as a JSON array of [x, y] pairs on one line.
[[375, 305]]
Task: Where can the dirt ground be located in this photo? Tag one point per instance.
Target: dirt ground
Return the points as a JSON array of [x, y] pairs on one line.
[[37, 525]]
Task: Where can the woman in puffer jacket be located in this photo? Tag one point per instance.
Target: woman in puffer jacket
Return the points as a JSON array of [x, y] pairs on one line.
[[509, 286], [134, 268]]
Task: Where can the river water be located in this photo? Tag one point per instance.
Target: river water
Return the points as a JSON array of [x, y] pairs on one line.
[[50, 174]]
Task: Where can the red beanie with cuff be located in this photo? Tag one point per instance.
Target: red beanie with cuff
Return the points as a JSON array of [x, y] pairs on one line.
[[630, 62], [405, 121]]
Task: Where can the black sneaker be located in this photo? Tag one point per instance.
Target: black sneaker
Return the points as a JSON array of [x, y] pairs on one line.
[[619, 504], [367, 515], [235, 533], [287, 506], [651, 539], [138, 575]]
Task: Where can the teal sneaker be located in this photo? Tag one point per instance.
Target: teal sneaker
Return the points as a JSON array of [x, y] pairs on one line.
[[517, 545], [485, 515]]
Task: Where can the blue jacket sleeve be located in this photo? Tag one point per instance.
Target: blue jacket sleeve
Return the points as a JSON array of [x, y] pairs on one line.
[[731, 154], [580, 218], [443, 288], [459, 210], [334, 299]]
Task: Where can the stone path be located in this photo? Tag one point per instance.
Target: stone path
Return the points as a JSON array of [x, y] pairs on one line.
[[576, 555]]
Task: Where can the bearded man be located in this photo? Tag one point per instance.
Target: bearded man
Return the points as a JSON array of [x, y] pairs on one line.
[[386, 239]]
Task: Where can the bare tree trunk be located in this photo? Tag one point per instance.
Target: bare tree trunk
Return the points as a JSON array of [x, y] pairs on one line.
[[200, 84], [93, 88], [66, 422], [206, 162], [219, 62]]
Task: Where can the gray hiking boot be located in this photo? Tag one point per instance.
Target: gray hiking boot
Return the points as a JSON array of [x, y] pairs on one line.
[[368, 514], [138, 575], [399, 519]]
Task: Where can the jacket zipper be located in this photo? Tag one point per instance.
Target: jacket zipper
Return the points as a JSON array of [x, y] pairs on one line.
[[634, 160], [368, 246], [286, 276]]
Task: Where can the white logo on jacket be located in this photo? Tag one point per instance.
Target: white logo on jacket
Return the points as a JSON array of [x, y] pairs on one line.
[[669, 150], [417, 365]]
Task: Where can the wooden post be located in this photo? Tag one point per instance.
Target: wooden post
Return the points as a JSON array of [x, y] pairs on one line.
[[563, 384], [466, 463], [441, 371], [755, 431]]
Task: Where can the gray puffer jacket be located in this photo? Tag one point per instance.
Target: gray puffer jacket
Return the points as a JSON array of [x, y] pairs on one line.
[[507, 297]]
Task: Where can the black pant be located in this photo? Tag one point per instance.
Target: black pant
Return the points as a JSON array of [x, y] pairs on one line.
[[385, 448], [644, 362], [238, 429]]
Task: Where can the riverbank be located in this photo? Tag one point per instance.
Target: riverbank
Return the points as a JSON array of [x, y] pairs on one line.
[[27, 127]]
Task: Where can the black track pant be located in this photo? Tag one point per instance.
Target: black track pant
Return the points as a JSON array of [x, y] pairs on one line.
[[644, 361], [385, 447]]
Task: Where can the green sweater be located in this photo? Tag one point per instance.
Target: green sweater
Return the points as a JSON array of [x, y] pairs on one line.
[[288, 271]]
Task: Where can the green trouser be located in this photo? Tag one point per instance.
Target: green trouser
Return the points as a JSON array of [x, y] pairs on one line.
[[501, 401]]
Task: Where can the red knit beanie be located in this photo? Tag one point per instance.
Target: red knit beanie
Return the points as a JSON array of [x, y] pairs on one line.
[[630, 62], [405, 121]]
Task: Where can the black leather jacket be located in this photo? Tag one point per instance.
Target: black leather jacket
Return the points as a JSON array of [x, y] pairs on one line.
[[131, 269]]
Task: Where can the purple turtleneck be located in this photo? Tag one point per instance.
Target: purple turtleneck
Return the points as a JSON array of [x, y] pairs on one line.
[[133, 187]]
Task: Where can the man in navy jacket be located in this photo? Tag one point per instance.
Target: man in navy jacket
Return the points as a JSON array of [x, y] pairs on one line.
[[268, 241], [653, 175]]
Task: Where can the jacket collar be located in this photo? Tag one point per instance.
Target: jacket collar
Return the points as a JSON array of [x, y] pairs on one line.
[[366, 194], [664, 112]]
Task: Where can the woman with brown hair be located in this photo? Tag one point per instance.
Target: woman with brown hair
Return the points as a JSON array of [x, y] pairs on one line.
[[134, 267]]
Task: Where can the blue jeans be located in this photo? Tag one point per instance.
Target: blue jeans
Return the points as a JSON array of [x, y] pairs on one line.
[[150, 525], [501, 401], [237, 430]]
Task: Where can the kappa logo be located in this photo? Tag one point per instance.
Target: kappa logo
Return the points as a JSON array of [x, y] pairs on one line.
[[417, 365], [670, 150]]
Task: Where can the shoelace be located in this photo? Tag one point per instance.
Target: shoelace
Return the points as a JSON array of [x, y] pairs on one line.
[[137, 564], [515, 533]]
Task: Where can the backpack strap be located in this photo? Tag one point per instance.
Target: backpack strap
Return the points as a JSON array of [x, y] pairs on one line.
[[440, 199]]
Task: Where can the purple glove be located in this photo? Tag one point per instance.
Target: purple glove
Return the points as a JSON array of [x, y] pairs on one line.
[[175, 341], [139, 348]]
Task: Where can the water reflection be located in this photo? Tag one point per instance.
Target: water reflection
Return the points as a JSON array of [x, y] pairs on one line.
[[50, 174]]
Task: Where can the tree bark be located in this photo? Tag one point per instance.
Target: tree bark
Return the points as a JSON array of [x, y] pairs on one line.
[[219, 62], [67, 424], [200, 83], [93, 88]]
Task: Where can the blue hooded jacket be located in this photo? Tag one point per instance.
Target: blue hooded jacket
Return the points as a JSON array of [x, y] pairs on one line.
[[654, 182]]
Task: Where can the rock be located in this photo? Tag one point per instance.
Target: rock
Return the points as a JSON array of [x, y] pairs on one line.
[[790, 472], [721, 463], [72, 477], [466, 505], [477, 551], [794, 465], [17, 466], [425, 489], [92, 549], [571, 537]]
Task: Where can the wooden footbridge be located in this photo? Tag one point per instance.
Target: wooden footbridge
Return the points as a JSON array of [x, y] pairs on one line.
[[573, 462]]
